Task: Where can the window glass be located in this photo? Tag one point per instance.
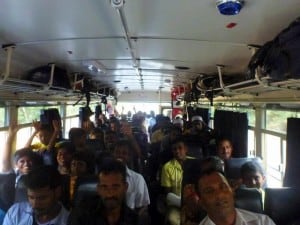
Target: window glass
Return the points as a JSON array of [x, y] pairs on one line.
[[72, 110], [251, 143], [71, 122], [2, 140], [251, 117], [28, 114], [273, 159], [2, 116], [276, 120], [23, 136]]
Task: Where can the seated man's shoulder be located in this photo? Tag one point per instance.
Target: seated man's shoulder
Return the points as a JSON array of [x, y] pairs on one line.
[[251, 216]]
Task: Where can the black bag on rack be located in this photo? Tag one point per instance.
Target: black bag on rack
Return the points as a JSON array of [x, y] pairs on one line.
[[279, 58], [42, 75]]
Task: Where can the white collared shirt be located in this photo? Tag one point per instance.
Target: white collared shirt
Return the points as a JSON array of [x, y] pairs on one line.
[[244, 217], [137, 194]]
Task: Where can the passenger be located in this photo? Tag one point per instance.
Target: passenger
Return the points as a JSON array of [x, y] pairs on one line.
[[97, 134], [198, 132], [48, 136], [212, 162], [43, 207], [95, 141], [82, 168], [138, 143], [171, 180], [151, 122], [24, 159], [253, 176], [114, 125], [166, 153], [137, 195], [162, 122], [110, 208], [178, 122], [224, 148], [110, 139], [78, 137], [65, 150], [217, 199], [2, 215], [191, 212]]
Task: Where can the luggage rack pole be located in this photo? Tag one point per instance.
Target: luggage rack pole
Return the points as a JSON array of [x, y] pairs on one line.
[[9, 49], [253, 49], [50, 83], [219, 67]]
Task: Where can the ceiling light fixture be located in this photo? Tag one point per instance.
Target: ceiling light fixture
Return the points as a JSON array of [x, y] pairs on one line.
[[229, 7]]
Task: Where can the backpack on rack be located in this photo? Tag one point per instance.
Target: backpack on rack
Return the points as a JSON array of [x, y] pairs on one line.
[[42, 74], [280, 57]]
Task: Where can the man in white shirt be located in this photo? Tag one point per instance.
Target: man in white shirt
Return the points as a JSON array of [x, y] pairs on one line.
[[137, 195], [216, 198], [43, 207]]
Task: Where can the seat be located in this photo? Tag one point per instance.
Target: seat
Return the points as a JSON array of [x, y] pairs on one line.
[[249, 199], [283, 205], [20, 191], [85, 190], [233, 166], [7, 190]]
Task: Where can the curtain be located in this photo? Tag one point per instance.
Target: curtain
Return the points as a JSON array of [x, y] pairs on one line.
[[234, 126], [291, 178]]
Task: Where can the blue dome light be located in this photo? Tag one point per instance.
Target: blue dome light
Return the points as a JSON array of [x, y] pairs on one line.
[[229, 7]]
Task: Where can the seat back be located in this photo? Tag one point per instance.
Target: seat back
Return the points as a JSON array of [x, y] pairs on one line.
[[249, 199], [85, 190], [282, 204], [7, 190], [233, 166], [20, 191]]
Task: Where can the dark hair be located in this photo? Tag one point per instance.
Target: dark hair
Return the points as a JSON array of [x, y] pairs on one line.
[[222, 139], [43, 176], [204, 173], [46, 127], [111, 165], [252, 166], [67, 145], [76, 132], [212, 163], [36, 159], [124, 142], [179, 139], [87, 158]]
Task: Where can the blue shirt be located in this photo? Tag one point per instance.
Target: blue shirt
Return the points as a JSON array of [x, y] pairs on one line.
[[22, 214], [2, 214]]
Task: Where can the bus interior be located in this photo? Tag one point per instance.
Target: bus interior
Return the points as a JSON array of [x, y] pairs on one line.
[[165, 56]]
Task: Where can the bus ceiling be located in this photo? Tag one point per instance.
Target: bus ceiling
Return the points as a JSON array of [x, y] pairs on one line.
[[139, 50]]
